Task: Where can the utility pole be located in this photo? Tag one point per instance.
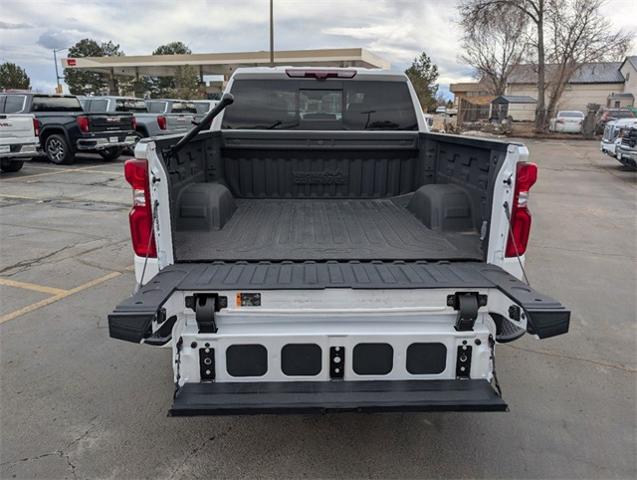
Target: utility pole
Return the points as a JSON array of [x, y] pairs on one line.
[[272, 33], [58, 86]]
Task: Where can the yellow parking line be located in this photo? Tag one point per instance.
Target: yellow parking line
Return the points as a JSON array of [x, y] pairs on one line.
[[56, 172], [55, 298], [100, 166], [32, 286], [19, 197], [101, 171], [68, 170], [92, 283], [42, 167]]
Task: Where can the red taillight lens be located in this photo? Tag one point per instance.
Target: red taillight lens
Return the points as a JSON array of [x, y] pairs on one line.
[[36, 127], [133, 123], [140, 217], [161, 121], [525, 178], [83, 123]]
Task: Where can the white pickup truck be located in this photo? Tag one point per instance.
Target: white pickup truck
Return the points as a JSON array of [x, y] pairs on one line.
[[317, 249], [19, 140]]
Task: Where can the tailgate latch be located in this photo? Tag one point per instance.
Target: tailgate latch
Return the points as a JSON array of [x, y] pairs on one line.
[[205, 305], [467, 304]]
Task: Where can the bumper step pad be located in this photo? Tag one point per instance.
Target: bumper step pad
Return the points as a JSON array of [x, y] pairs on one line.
[[336, 396]]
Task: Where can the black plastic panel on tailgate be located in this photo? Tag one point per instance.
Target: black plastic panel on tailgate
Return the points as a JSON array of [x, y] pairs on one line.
[[132, 318]]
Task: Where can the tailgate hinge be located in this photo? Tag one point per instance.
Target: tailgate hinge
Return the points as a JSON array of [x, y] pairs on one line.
[[467, 305], [205, 305]]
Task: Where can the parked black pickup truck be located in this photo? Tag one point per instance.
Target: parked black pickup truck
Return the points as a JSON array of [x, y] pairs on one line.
[[67, 129]]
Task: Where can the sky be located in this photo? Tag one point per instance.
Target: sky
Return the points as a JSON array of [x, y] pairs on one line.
[[396, 30]]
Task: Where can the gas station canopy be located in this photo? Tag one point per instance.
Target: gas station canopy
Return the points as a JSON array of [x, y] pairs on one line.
[[223, 63]]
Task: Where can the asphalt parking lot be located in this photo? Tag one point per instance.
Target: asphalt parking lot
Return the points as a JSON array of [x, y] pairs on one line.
[[76, 404]]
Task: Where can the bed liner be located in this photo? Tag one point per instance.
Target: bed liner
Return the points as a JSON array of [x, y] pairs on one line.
[[325, 229]]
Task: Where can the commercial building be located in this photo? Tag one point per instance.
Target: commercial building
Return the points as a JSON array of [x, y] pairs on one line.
[[222, 64]]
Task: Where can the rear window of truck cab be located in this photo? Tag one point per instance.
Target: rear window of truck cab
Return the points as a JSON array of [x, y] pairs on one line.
[[43, 103], [320, 105], [570, 114], [203, 107], [130, 105], [183, 107], [156, 107], [12, 103]]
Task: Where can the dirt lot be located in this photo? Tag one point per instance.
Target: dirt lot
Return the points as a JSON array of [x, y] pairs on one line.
[[76, 404]]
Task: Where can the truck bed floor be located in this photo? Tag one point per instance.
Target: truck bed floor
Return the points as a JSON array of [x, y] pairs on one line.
[[316, 229]]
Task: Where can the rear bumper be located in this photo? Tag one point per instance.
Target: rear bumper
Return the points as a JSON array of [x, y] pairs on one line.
[[101, 143], [28, 150], [336, 396], [560, 128]]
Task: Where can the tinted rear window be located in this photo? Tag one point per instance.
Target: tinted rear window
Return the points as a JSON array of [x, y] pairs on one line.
[[156, 107], [130, 105], [622, 114], [203, 107], [14, 103], [320, 105], [571, 114], [183, 107], [97, 106], [56, 104]]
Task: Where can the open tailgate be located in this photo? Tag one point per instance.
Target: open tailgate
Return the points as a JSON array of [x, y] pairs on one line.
[[132, 319]]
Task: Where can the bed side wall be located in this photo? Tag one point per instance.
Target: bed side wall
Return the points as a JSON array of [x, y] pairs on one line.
[[470, 163]]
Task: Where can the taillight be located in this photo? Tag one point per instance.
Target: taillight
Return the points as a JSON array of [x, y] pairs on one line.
[[525, 178], [133, 123], [83, 123], [36, 127], [161, 121], [140, 217]]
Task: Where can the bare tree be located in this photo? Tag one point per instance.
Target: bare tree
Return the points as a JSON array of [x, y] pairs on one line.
[[578, 34], [493, 47], [482, 12]]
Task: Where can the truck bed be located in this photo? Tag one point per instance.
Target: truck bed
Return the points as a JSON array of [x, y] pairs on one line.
[[325, 229]]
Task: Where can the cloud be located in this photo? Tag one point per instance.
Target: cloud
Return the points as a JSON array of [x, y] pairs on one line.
[[14, 26], [54, 39]]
